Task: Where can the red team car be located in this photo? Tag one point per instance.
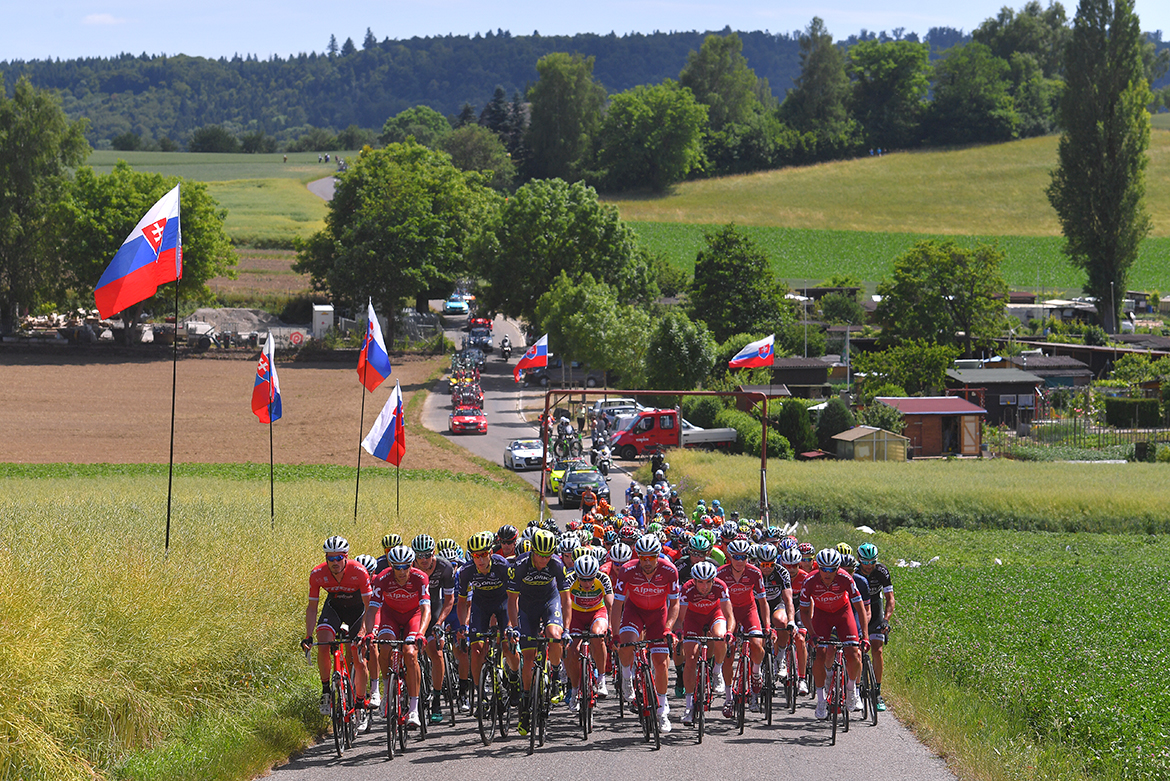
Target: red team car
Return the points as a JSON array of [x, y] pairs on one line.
[[465, 419]]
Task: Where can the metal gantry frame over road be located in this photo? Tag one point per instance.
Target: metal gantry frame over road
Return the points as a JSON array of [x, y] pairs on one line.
[[585, 392]]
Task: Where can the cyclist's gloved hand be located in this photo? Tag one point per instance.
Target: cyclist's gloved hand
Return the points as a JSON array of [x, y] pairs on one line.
[[791, 626], [865, 643], [512, 633], [306, 644]]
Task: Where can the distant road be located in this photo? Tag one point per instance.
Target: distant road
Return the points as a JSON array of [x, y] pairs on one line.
[[323, 188]]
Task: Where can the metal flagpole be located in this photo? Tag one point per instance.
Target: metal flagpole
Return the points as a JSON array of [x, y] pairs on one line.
[[174, 385], [397, 492], [361, 428], [271, 481]]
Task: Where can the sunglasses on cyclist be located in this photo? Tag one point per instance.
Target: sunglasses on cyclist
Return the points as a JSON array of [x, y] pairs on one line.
[[332, 559], [424, 555], [647, 558], [481, 554], [740, 557], [829, 569], [401, 566], [767, 564]]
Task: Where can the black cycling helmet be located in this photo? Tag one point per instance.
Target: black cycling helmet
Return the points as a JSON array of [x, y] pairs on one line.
[[507, 534]]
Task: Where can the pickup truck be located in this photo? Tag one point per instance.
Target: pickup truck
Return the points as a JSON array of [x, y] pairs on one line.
[[650, 429]]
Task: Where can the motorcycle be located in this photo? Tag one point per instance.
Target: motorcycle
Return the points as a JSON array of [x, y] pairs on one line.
[[506, 348], [599, 456]]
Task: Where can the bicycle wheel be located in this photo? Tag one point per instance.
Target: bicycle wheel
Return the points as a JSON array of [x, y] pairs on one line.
[[450, 680], [350, 713], [870, 700], [766, 688], [651, 708], [338, 713], [790, 679], [810, 662], [545, 701], [739, 690], [700, 704], [617, 686], [533, 711], [485, 708], [585, 697], [403, 707], [835, 694], [391, 700]]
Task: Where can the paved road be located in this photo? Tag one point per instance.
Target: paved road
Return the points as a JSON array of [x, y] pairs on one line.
[[322, 188], [797, 742]]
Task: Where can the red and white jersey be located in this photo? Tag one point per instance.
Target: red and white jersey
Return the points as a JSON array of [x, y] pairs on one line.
[[798, 576], [832, 598], [404, 598], [747, 589], [646, 593], [353, 584], [704, 604]]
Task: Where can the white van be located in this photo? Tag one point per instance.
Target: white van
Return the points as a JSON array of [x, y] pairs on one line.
[[601, 405]]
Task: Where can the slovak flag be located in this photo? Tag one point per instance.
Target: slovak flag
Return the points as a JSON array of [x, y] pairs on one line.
[[152, 255], [373, 361], [387, 439], [266, 391], [536, 355], [755, 354]]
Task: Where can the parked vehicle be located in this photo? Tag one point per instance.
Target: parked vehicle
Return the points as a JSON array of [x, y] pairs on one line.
[[556, 376], [650, 429], [601, 405]]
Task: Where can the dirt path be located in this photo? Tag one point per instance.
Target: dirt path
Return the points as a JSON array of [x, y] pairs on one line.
[[83, 406]]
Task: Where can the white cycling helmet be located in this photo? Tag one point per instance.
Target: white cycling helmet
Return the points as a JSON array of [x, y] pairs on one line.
[[704, 570], [829, 559], [400, 555], [790, 556], [620, 553], [367, 561], [648, 545], [586, 567], [337, 545]]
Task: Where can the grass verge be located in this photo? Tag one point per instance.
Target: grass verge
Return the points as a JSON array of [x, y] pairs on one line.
[[122, 662]]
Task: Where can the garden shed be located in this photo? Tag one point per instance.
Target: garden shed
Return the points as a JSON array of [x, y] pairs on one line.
[[939, 425], [1008, 395], [866, 443]]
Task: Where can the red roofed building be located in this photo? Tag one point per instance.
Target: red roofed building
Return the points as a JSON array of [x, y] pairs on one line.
[[939, 425]]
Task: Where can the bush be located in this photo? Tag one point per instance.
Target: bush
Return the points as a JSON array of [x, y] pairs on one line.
[[702, 410], [212, 138], [1132, 413], [795, 425], [748, 439], [835, 419]]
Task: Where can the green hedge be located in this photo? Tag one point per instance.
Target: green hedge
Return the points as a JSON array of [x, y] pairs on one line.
[[702, 410], [1132, 413], [748, 429]]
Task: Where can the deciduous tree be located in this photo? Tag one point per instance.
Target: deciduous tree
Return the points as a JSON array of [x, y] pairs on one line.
[[681, 352], [734, 289], [426, 125], [890, 83], [651, 137], [475, 148], [972, 101], [564, 116]]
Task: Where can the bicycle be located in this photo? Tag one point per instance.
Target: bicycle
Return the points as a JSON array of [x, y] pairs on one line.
[[587, 684], [396, 699], [615, 668], [768, 685], [490, 699], [704, 689], [867, 689], [645, 696], [791, 679], [741, 677], [838, 709], [341, 694], [539, 699], [451, 670]]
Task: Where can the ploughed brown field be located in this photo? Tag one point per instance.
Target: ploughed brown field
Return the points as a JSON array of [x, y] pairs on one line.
[[111, 405]]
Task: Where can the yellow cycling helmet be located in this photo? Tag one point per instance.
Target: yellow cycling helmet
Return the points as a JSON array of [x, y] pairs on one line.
[[544, 543], [845, 549], [480, 542], [391, 541]]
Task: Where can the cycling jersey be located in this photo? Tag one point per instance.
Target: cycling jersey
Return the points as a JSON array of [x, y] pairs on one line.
[[536, 586], [646, 592], [747, 588], [704, 604], [774, 584], [833, 598], [487, 590], [442, 583], [880, 584], [862, 584], [353, 584], [589, 596], [401, 598]]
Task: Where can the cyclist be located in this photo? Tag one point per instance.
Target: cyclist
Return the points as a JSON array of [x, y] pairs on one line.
[[389, 541], [849, 565], [588, 501], [790, 559], [696, 551], [705, 611], [645, 606], [400, 610], [778, 591], [745, 585], [880, 584], [591, 598], [506, 539], [827, 602], [374, 696], [538, 593], [347, 587], [716, 509], [483, 598], [619, 554], [441, 576]]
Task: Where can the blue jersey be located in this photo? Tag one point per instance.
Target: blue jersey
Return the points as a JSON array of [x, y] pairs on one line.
[[537, 586], [486, 589]]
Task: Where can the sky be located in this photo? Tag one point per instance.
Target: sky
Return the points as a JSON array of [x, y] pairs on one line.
[[68, 29]]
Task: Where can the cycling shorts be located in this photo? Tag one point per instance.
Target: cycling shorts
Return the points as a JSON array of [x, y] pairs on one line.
[[824, 623], [582, 621], [648, 624], [481, 619], [392, 625], [876, 631], [703, 624], [748, 618], [337, 612], [532, 615]]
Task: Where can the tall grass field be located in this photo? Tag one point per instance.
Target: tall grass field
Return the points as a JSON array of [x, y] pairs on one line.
[[121, 662], [1045, 664]]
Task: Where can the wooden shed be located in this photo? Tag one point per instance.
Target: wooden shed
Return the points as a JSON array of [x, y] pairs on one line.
[[866, 443], [939, 425]]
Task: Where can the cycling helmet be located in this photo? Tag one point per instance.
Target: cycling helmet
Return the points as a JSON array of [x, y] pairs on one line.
[[567, 544], [573, 525], [400, 555], [522, 547], [423, 544], [867, 553], [790, 557], [581, 550], [707, 534], [367, 561], [391, 541], [715, 503], [701, 544], [648, 545], [739, 547], [806, 550], [528, 532], [507, 534], [586, 567], [704, 570], [337, 545], [620, 553], [765, 552], [544, 543], [829, 559], [788, 543], [848, 562], [773, 532], [654, 527], [611, 536], [702, 503], [480, 542], [629, 533], [845, 549]]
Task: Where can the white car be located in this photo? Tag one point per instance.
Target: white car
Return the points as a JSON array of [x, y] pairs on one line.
[[524, 454]]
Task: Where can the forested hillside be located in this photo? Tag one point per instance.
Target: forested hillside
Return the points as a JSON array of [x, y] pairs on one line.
[[169, 96]]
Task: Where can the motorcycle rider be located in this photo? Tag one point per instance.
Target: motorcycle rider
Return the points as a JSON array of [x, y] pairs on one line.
[[506, 347]]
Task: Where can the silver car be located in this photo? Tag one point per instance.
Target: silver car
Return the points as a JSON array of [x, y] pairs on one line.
[[524, 454]]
